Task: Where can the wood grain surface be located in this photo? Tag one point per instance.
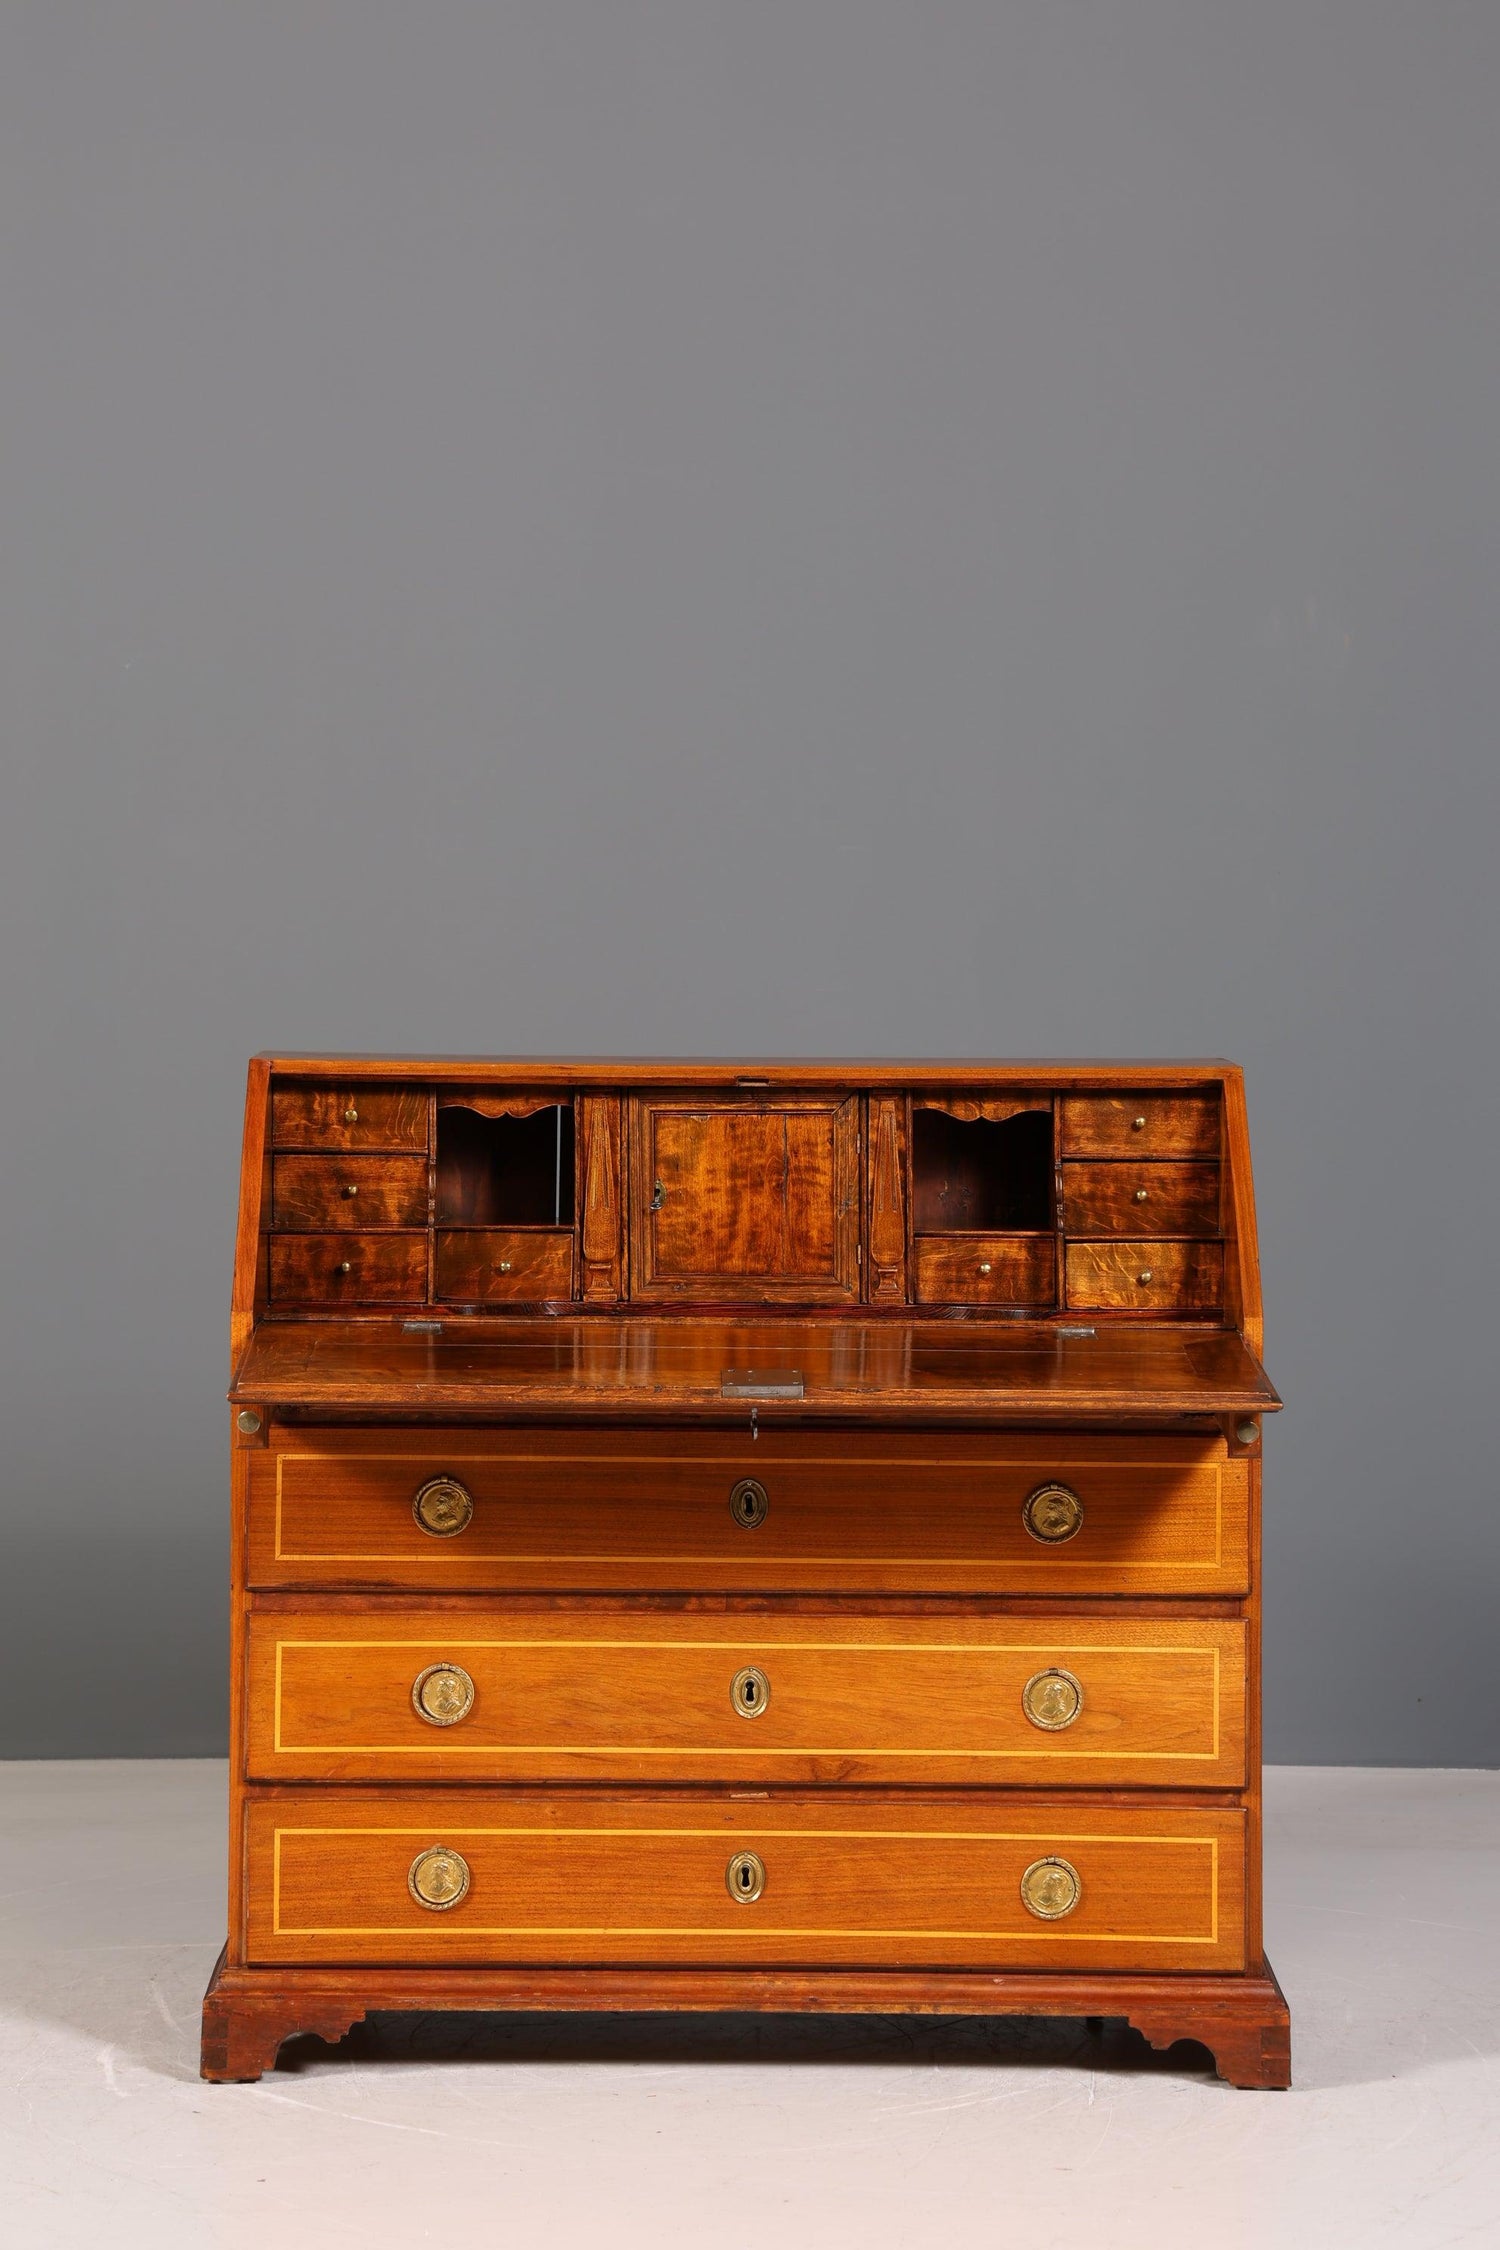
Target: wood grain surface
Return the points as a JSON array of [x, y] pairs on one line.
[[851, 1879], [618, 1511], [626, 1697]]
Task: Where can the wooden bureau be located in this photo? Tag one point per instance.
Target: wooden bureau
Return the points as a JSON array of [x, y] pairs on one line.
[[746, 1535]]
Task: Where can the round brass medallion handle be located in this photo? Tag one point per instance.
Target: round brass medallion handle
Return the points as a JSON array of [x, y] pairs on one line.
[[1052, 1699], [749, 1504], [745, 1877], [442, 1694], [438, 1878], [443, 1507], [1052, 1513], [1050, 1888], [750, 1692]]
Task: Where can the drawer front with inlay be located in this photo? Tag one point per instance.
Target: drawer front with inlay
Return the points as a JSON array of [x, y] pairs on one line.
[[854, 1879], [349, 1191], [1146, 1277], [530, 1511], [348, 1269], [545, 1696], [1135, 1199], [1140, 1124], [348, 1117]]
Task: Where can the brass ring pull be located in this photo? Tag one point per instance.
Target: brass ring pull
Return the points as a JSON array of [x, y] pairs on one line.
[[1052, 1513], [1050, 1888], [750, 1692], [438, 1878], [745, 1877], [442, 1507], [442, 1694], [1052, 1699], [749, 1503]]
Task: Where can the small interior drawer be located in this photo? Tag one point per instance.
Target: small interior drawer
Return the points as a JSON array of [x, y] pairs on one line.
[[348, 1269], [1131, 1198], [480, 1265], [349, 1191], [348, 1117], [986, 1269], [1148, 1277], [1178, 1124]]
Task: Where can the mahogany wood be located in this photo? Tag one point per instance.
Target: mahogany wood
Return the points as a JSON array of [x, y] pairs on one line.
[[861, 1530], [883, 1699], [938, 1512]]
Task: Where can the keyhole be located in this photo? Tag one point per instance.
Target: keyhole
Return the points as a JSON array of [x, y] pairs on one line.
[[750, 1692], [745, 1877], [748, 1503]]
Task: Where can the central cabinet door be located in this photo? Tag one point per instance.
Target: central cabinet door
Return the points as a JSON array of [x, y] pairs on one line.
[[747, 1198]]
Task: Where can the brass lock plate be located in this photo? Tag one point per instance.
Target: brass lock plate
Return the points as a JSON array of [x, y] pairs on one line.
[[745, 1877], [750, 1692], [748, 1503], [761, 1382]]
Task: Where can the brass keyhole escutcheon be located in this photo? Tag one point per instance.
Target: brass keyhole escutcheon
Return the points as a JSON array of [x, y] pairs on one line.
[[1052, 1699], [442, 1694], [1050, 1888], [750, 1692], [438, 1878], [443, 1507], [748, 1503], [1052, 1513], [745, 1877]]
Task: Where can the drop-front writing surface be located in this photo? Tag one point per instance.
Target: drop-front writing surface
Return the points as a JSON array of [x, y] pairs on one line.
[[883, 1444]]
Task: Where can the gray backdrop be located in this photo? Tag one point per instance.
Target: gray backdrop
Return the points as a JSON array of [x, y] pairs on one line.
[[821, 525]]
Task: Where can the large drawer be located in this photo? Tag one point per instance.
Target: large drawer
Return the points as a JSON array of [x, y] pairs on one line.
[[427, 1693], [847, 1879], [619, 1511]]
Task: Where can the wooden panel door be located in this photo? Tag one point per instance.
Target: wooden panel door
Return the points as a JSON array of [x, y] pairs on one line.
[[745, 1200]]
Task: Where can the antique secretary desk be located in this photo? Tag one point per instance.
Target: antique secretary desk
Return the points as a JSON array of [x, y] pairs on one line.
[[770, 1536]]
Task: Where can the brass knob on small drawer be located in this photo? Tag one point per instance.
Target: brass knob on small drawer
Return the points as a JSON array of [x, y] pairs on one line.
[[344, 1266], [1145, 1277], [984, 1265], [438, 1878], [750, 1692], [1138, 1124], [745, 1877], [351, 1115], [1050, 1888], [443, 1507], [505, 1265], [749, 1503], [1052, 1699], [1142, 1195], [1052, 1513], [442, 1694], [349, 1188]]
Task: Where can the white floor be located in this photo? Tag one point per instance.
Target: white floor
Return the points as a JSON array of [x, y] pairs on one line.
[[1384, 1924]]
